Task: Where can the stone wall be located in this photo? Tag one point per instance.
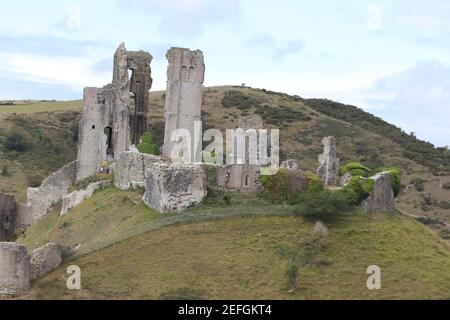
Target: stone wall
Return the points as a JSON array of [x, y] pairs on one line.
[[172, 188], [131, 168], [243, 178], [185, 76], [382, 199], [92, 139], [329, 163], [75, 198], [40, 200], [8, 214], [14, 269], [109, 126], [45, 259], [141, 83]]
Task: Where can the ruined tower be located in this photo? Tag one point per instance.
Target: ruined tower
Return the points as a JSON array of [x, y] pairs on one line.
[[185, 76], [109, 125], [328, 169]]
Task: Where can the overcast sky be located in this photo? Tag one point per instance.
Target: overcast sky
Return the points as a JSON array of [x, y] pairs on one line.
[[390, 57]]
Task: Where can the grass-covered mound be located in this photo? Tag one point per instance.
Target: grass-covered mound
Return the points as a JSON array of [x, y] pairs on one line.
[[264, 258]]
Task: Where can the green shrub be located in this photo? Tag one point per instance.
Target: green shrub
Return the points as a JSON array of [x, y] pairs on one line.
[[446, 186], [444, 205], [358, 189], [325, 206], [419, 184], [356, 169], [15, 141], [240, 100], [280, 115], [211, 175], [147, 146], [315, 184], [35, 181], [284, 186]]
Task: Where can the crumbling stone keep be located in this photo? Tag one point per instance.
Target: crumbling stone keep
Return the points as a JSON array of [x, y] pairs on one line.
[[185, 76], [174, 187], [8, 213], [109, 124], [329, 163], [14, 269], [382, 199]]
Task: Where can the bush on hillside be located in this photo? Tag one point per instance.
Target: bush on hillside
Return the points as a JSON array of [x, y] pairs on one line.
[[240, 100], [446, 186], [356, 170], [284, 186], [280, 115], [15, 141], [147, 146], [325, 206], [419, 184], [358, 189]]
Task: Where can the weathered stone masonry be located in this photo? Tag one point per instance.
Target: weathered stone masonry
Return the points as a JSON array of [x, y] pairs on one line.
[[329, 163], [185, 76], [109, 126], [14, 269], [8, 213]]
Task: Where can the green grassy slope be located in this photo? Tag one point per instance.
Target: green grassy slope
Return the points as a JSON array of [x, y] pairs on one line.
[[248, 257]]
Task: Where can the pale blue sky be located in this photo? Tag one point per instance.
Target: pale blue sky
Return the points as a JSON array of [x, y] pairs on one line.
[[390, 57]]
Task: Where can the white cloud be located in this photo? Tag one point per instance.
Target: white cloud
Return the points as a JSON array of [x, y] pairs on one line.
[[374, 18], [73, 19], [75, 73]]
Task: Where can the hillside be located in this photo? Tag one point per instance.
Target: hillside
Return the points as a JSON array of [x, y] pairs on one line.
[[238, 246], [245, 254], [49, 130]]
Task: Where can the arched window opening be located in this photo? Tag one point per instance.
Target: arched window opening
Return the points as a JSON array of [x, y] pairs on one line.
[[191, 74], [247, 180], [184, 73]]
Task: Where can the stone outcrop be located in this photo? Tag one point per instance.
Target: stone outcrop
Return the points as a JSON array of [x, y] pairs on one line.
[[75, 198], [14, 269], [8, 213], [243, 178], [44, 260], [131, 169], [183, 110], [109, 125], [40, 200], [329, 163], [174, 187], [382, 199]]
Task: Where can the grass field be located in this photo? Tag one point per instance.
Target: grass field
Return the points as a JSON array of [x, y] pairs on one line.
[[248, 258], [240, 251], [37, 106]]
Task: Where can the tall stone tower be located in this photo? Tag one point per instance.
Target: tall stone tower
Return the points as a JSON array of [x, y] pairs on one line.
[[185, 76]]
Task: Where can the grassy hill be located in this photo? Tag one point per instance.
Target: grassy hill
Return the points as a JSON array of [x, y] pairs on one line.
[[245, 254], [243, 247], [49, 129]]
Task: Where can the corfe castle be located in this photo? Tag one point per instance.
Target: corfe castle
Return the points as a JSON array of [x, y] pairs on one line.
[[111, 127]]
